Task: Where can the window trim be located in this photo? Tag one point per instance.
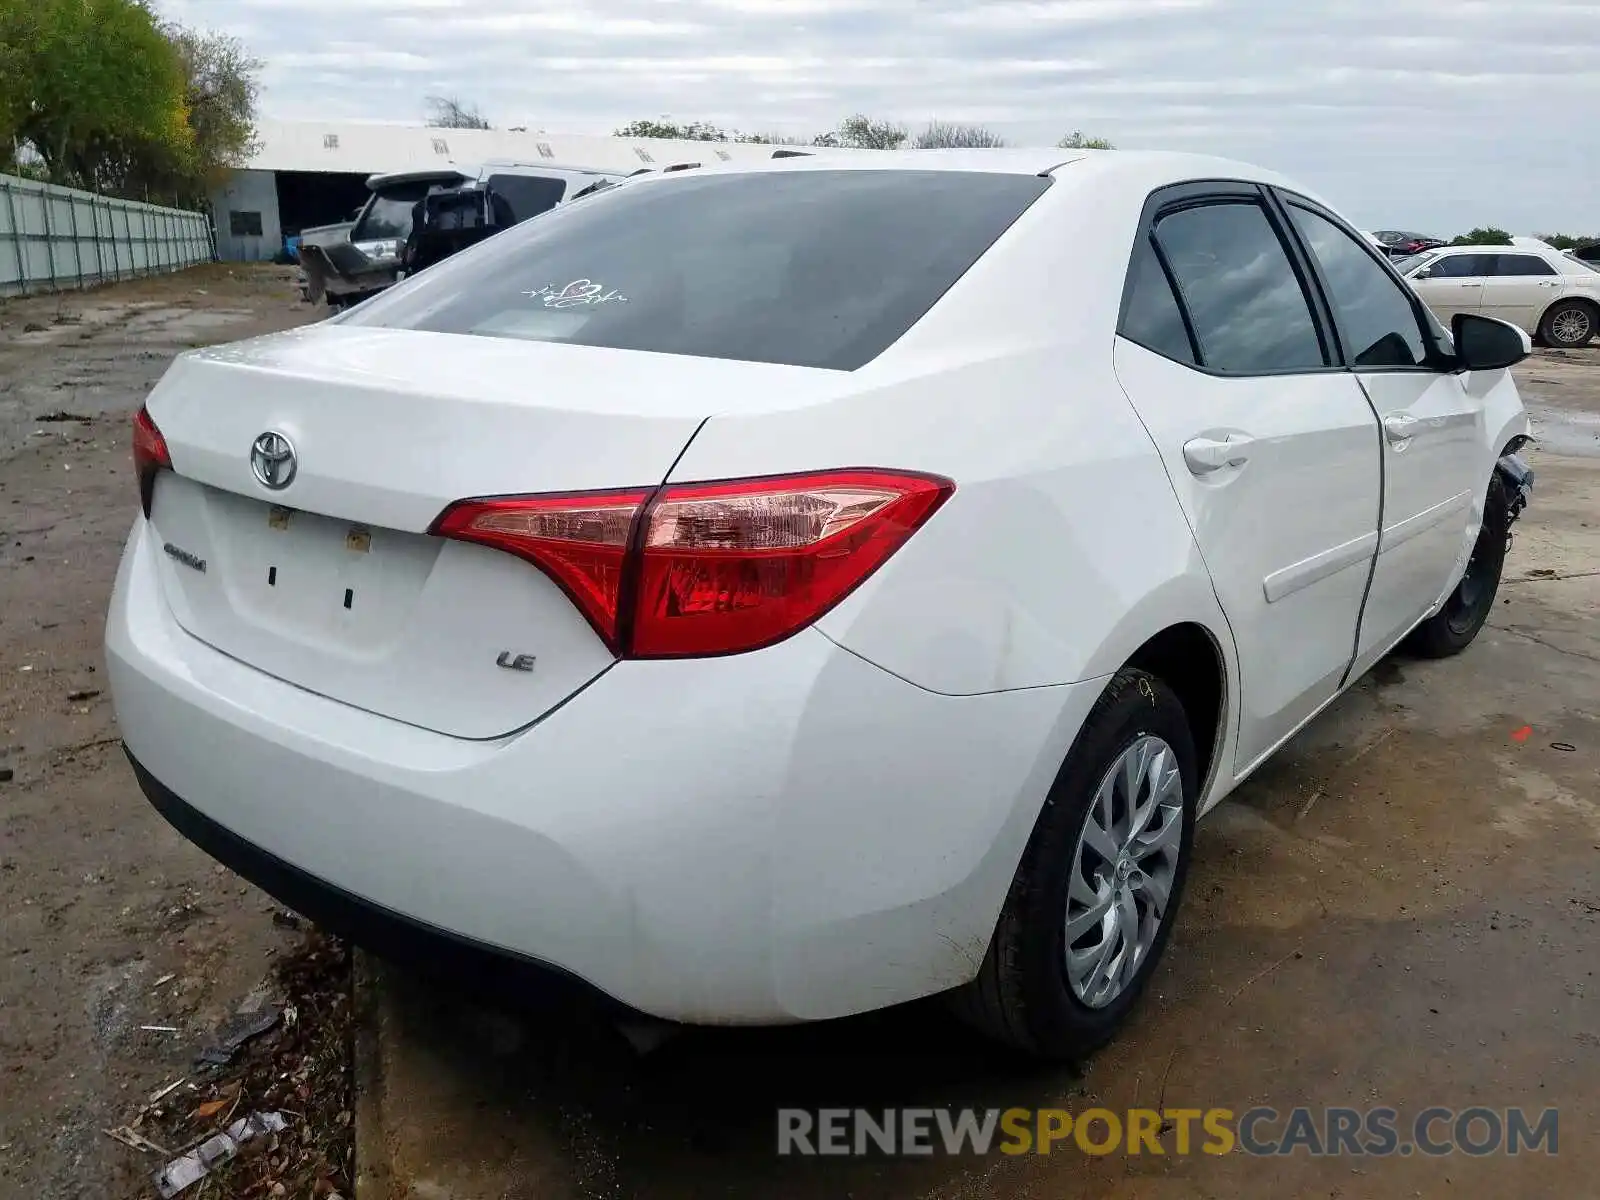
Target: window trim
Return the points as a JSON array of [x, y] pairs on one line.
[[1437, 356], [1160, 257], [1205, 193]]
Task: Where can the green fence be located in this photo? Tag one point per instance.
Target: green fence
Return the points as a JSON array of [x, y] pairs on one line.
[[52, 238]]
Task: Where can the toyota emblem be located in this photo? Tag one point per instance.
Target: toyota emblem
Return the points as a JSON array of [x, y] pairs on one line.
[[272, 460]]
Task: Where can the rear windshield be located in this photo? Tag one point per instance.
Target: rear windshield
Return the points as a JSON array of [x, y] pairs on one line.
[[389, 214], [529, 195], [807, 268]]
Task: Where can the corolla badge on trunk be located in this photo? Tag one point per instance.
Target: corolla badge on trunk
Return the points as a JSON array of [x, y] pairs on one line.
[[272, 460]]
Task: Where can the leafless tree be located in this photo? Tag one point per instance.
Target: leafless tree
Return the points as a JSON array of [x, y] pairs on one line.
[[451, 112]]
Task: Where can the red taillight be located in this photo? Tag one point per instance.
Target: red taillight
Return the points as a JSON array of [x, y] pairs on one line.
[[732, 566], [708, 568], [580, 540], [150, 456]]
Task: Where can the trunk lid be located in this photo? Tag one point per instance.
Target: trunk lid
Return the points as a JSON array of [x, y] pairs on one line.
[[332, 582]]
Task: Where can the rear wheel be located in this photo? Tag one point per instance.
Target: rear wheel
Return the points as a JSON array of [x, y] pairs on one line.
[[1095, 897], [1569, 324], [1452, 629]]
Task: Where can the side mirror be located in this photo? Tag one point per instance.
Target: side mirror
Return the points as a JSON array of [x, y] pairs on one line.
[[1424, 273], [1487, 344]]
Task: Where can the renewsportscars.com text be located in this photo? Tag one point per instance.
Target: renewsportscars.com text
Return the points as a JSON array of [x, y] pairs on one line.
[[1318, 1132]]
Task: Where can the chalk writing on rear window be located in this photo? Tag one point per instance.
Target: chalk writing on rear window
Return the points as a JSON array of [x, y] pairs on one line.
[[578, 292]]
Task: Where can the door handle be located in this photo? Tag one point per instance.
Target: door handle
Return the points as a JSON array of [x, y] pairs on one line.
[[1400, 428], [1205, 455]]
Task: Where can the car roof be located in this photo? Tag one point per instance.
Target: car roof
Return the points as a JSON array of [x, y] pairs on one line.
[[1154, 168], [1006, 160]]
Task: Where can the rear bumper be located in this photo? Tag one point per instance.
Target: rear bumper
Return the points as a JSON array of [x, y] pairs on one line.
[[392, 935], [786, 835]]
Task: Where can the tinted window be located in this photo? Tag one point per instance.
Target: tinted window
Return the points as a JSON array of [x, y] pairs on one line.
[[389, 213], [528, 195], [1375, 316], [1244, 299], [1518, 264], [811, 268], [1151, 315], [1457, 266]]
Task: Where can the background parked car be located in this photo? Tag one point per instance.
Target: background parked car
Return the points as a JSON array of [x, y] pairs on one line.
[[1398, 244], [347, 263], [1551, 297]]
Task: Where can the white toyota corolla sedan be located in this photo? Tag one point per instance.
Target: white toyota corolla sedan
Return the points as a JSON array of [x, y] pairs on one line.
[[774, 592]]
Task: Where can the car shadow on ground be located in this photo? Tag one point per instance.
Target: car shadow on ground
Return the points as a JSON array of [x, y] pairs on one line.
[[1371, 919]]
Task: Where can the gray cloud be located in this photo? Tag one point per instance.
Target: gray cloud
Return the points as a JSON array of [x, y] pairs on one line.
[[1436, 114]]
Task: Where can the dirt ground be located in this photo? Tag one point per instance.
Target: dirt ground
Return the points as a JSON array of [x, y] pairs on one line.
[[110, 921], [1403, 908]]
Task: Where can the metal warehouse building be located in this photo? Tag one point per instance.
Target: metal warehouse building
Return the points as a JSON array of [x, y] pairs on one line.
[[307, 173]]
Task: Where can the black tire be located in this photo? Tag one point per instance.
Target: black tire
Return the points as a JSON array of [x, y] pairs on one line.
[[1021, 996], [1565, 334], [1451, 629]]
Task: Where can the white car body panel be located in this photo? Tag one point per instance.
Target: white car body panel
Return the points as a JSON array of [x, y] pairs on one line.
[[831, 823], [1433, 488], [1447, 297], [1312, 466], [529, 844], [1520, 299]]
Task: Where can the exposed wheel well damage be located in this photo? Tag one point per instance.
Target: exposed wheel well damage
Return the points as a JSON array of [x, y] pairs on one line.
[[1187, 658]]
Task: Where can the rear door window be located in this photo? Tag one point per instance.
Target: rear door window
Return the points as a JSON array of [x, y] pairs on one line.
[[809, 268], [1249, 311], [1518, 265]]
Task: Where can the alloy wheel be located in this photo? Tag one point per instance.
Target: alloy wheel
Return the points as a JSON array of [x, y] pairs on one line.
[[1123, 870], [1572, 326]]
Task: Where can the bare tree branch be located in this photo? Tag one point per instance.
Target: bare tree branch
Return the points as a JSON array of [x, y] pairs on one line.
[[451, 112]]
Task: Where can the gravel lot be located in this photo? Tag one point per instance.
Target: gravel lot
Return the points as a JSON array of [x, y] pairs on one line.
[[101, 902], [1402, 908]]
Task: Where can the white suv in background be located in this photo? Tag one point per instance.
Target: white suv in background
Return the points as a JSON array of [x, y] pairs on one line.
[[1543, 292]]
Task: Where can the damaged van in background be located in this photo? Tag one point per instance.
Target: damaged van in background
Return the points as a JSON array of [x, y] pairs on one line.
[[348, 261]]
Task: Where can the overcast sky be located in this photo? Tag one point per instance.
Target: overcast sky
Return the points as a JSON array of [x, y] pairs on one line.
[[1428, 114]]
